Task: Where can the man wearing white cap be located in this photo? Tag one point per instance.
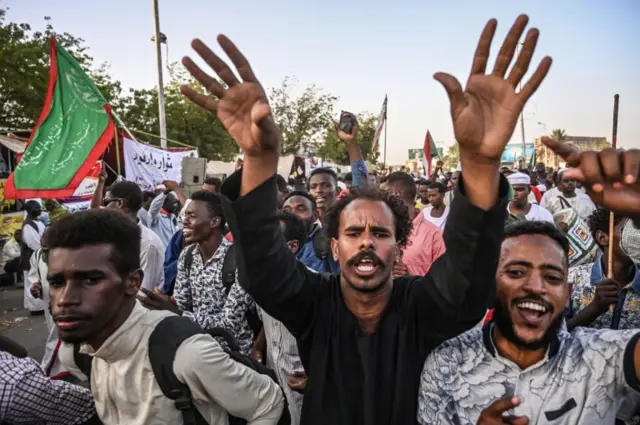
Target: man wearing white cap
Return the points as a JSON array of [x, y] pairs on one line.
[[520, 204]]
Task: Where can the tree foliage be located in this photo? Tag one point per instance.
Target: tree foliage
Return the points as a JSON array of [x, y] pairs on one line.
[[302, 119], [334, 150], [24, 70], [451, 157], [186, 122]]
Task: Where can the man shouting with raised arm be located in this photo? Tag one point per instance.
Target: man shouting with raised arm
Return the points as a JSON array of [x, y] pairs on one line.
[[362, 335]]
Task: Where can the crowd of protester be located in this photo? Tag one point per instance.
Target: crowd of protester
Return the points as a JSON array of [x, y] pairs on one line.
[[484, 295]]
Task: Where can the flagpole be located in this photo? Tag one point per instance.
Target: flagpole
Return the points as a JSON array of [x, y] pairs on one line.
[[158, 41], [386, 111], [614, 143]]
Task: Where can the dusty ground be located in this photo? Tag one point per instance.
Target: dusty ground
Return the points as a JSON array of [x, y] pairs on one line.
[[18, 324]]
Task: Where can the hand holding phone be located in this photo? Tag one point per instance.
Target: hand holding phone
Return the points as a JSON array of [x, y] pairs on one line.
[[347, 127]]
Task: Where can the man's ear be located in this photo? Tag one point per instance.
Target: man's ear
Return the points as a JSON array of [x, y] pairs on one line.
[[133, 283], [215, 222], [334, 249]]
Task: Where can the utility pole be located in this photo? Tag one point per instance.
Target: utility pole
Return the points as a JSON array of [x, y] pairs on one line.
[[158, 38]]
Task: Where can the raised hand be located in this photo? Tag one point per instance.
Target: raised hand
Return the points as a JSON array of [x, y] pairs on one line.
[[243, 107], [485, 113], [347, 138], [610, 176]]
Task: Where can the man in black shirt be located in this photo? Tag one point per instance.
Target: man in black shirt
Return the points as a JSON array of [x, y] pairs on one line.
[[362, 336]]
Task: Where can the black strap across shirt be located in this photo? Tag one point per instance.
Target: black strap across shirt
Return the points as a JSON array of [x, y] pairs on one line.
[[353, 378]]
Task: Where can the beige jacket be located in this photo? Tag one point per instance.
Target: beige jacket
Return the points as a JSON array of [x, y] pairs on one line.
[[126, 392]]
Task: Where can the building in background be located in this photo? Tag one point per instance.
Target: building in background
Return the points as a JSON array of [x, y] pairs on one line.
[[584, 143]]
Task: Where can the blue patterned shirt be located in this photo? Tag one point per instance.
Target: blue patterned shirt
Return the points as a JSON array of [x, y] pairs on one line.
[[626, 312]]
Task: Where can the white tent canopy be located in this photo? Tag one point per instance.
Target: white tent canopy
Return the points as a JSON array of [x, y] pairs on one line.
[[13, 144]]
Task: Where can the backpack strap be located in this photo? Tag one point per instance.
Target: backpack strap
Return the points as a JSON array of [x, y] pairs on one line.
[[82, 361], [229, 269], [164, 342], [188, 259]]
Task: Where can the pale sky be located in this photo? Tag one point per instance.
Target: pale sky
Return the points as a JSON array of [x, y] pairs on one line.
[[361, 51]]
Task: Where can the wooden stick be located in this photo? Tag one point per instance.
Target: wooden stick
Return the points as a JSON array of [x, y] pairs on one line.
[[614, 142]]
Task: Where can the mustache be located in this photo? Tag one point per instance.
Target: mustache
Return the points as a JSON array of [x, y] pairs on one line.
[[362, 255], [533, 298]]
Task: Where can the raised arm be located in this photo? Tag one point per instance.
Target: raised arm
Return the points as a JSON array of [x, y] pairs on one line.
[[156, 206], [359, 172], [267, 270], [461, 283], [98, 194]]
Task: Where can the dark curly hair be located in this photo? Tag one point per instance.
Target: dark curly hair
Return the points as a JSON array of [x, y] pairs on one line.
[[599, 220], [403, 223]]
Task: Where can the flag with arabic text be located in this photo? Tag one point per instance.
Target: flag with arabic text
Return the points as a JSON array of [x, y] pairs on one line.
[[72, 133]]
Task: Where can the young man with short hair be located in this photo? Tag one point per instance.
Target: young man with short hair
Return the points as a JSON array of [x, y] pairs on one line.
[[94, 276], [203, 291]]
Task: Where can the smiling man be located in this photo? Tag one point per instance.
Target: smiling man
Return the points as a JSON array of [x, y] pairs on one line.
[[521, 363]]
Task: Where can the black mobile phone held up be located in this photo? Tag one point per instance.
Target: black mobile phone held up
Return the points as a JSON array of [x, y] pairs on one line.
[[347, 122]]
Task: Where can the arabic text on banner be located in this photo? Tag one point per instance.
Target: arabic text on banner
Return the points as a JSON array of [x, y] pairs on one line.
[[149, 166]]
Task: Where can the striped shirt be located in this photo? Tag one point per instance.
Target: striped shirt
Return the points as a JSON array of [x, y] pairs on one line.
[[28, 397], [283, 358]]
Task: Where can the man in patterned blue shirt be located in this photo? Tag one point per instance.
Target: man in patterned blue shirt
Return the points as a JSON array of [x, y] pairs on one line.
[[522, 364], [596, 301]]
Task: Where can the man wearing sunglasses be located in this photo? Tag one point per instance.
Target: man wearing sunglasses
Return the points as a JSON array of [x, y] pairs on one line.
[[126, 196]]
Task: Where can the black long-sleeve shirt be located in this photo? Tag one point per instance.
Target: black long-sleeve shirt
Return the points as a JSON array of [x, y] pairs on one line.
[[354, 378]]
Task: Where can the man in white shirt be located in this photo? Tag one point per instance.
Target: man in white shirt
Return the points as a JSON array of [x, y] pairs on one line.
[[94, 276], [520, 204], [127, 197], [32, 230], [568, 197]]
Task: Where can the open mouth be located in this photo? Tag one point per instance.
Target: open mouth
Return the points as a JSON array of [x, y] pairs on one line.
[[68, 323], [187, 232], [532, 311], [365, 267]]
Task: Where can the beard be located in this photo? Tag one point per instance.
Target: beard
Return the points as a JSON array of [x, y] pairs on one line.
[[503, 322]]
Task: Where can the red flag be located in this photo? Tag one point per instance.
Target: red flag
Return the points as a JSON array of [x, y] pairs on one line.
[[430, 152]]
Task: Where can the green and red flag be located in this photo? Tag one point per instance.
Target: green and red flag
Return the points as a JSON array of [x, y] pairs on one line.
[[72, 133], [430, 152]]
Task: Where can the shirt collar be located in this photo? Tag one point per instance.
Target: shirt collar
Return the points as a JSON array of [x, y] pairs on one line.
[[122, 341], [487, 339], [597, 274]]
